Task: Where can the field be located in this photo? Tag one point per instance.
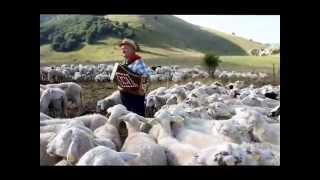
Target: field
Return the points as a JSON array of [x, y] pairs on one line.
[[100, 53], [96, 91], [158, 56]]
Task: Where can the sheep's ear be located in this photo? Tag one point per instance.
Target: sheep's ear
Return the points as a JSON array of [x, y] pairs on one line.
[[128, 156], [152, 121], [143, 126], [179, 119], [72, 152]]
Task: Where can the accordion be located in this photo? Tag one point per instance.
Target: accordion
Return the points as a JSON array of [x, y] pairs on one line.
[[126, 79]]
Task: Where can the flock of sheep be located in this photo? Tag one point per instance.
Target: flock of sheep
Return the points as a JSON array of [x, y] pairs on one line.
[[102, 72], [189, 124]]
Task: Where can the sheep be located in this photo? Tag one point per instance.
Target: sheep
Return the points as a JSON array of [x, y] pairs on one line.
[[231, 131], [41, 92], [53, 102], [71, 143], [45, 159], [198, 139], [73, 92], [275, 112], [139, 142], [109, 132], [102, 78], [230, 154], [223, 154], [63, 162], [115, 112], [154, 103], [77, 76], [55, 128], [154, 77], [180, 94], [252, 100], [104, 142], [189, 86], [220, 110], [104, 104], [174, 96], [55, 76], [44, 116], [100, 73], [177, 153], [262, 130], [103, 156], [91, 121], [266, 132], [263, 153]]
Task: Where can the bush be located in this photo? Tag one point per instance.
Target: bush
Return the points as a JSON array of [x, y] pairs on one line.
[[55, 46], [89, 38], [276, 51], [70, 45], [125, 25], [211, 61], [58, 38], [73, 36]]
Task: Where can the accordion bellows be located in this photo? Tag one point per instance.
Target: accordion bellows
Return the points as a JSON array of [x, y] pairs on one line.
[[125, 79]]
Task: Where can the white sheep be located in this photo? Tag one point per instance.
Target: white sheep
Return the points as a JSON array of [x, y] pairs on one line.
[[91, 121], [71, 143], [44, 116], [231, 131], [196, 138], [220, 110], [139, 142], [63, 162], [73, 92], [103, 156], [113, 99], [109, 132], [177, 153], [262, 130], [53, 102], [227, 154], [45, 158]]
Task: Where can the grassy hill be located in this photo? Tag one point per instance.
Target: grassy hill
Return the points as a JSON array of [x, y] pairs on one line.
[[162, 37]]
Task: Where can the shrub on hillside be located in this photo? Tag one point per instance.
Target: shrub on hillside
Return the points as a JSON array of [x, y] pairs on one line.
[[211, 61]]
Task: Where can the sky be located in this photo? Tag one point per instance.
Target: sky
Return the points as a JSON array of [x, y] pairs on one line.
[[261, 28]]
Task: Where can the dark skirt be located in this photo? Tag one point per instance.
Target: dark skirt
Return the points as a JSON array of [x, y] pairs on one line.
[[133, 103]]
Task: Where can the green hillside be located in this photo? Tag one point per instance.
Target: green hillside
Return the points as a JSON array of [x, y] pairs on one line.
[[162, 37]]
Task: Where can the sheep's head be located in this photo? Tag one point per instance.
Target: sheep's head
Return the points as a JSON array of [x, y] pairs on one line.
[[221, 155], [250, 118], [134, 121], [71, 143], [165, 117], [116, 111], [150, 101]]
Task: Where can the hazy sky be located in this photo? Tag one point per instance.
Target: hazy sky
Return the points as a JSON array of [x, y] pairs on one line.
[[261, 28]]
